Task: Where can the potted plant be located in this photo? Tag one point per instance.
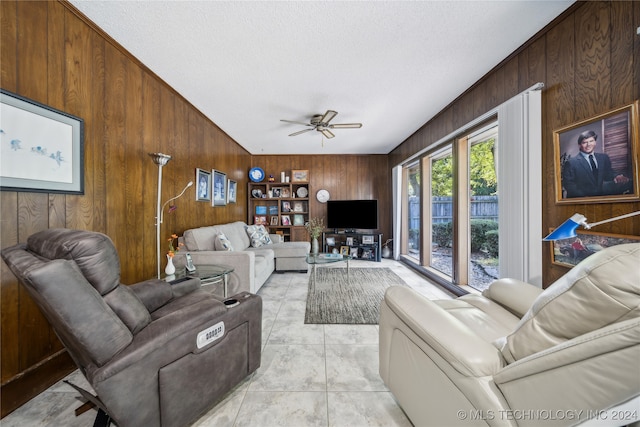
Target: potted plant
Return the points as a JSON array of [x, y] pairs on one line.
[[315, 227]]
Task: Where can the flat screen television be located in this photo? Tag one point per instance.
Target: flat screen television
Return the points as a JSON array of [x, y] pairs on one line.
[[352, 214]]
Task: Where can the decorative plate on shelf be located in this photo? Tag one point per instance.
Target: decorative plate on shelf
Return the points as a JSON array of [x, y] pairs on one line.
[[302, 192], [256, 174]]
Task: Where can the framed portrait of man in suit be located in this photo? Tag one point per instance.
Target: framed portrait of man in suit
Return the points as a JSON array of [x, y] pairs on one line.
[[596, 160]]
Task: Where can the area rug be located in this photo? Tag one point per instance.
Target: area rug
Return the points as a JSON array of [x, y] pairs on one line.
[[333, 299]]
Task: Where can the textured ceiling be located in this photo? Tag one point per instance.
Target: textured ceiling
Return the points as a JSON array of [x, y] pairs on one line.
[[390, 65]]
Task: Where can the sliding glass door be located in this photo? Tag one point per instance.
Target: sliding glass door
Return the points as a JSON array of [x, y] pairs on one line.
[[458, 214]]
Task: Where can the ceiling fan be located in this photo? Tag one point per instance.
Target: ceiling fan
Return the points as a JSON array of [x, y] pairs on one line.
[[320, 122]]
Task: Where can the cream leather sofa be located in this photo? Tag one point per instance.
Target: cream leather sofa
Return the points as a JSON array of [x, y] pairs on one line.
[[517, 355], [252, 266]]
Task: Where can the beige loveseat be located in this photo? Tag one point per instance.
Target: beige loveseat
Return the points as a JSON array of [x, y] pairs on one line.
[[252, 266]]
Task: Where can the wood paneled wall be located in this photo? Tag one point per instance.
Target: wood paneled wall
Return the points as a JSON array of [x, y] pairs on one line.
[[345, 177], [51, 54], [589, 61]]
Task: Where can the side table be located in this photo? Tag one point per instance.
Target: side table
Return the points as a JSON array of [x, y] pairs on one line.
[[208, 275]]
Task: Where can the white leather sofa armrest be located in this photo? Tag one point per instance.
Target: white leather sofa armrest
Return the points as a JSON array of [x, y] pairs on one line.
[[454, 341], [242, 262], [514, 295]]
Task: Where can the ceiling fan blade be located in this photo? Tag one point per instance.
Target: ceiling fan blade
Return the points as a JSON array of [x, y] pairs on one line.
[[330, 114], [300, 131], [346, 126], [327, 133], [297, 123]]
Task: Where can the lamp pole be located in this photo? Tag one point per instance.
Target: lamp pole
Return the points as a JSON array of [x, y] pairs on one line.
[[159, 159]]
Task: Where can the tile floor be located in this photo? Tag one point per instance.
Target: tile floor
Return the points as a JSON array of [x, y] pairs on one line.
[[310, 375]]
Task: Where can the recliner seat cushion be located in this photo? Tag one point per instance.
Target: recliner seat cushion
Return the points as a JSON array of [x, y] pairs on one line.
[[590, 296]]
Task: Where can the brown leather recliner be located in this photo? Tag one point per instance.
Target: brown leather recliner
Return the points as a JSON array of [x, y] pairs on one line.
[[156, 353], [518, 355]]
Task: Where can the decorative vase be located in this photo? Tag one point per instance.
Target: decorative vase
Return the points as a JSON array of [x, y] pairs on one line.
[[315, 246], [386, 252], [170, 268]]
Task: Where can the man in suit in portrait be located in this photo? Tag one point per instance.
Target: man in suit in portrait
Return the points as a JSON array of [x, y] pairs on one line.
[[589, 173]]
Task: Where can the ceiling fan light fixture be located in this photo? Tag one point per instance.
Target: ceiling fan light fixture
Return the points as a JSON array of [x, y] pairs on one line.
[[320, 122]]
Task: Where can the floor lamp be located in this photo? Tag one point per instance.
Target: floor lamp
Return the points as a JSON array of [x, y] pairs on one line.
[[161, 159]]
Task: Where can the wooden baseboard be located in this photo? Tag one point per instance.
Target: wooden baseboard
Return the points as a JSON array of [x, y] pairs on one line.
[[25, 386]]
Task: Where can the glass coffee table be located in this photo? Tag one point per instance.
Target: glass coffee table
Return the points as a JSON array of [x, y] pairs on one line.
[[208, 275], [318, 259]]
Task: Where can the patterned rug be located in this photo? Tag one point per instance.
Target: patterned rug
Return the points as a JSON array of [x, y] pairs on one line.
[[333, 299]]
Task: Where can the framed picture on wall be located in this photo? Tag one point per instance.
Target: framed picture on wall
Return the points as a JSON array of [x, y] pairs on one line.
[[41, 148], [232, 188], [203, 188], [219, 188], [596, 160], [569, 252]]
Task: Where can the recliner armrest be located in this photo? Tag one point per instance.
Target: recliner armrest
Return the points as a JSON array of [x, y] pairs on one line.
[[514, 295], [153, 293], [448, 336]]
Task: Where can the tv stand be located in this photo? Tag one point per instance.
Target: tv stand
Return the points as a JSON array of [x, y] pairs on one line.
[[366, 246]]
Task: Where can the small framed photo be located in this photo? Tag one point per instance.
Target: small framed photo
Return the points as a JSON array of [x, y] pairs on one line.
[[219, 188], [274, 220], [596, 160], [273, 210], [344, 250], [203, 189], [367, 240], [569, 252], [298, 219], [260, 220], [231, 191], [331, 241], [276, 191], [42, 148], [354, 252], [349, 241], [298, 175], [286, 206], [298, 207], [261, 210], [286, 192], [286, 220]]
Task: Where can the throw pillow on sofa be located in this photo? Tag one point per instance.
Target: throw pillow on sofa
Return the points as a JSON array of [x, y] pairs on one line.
[[223, 243], [258, 235]]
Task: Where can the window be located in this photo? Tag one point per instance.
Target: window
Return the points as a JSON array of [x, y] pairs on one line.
[[488, 174], [459, 212]]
